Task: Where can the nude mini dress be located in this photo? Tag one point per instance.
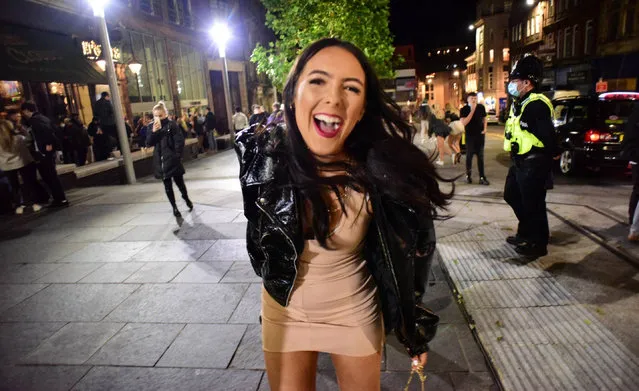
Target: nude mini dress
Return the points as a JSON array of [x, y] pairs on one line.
[[334, 306]]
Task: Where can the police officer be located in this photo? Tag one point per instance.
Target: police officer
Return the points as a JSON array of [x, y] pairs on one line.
[[530, 139]]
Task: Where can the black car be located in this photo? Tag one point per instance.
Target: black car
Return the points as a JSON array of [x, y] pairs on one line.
[[590, 130]]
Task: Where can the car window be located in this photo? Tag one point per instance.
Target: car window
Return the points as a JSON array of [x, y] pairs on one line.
[[560, 114], [578, 112]]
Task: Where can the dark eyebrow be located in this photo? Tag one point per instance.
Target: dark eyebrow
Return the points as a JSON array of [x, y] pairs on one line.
[[324, 73]]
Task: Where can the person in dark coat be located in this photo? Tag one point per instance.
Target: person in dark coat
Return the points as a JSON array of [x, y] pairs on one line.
[[81, 140], [104, 110], [168, 140], [101, 142], [45, 144], [630, 152]]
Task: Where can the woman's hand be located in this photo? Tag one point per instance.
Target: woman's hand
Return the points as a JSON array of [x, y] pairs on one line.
[[156, 126], [419, 361]]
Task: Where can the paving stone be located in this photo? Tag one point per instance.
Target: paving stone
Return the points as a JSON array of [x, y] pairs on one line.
[[70, 303], [42, 253], [157, 272], [70, 272], [445, 353], [212, 231], [11, 295], [474, 356], [41, 378], [180, 303], [473, 381], [112, 272], [152, 218], [106, 252], [227, 250], [74, 344], [20, 273], [150, 233], [241, 271], [174, 251], [248, 311], [137, 344], [168, 379], [203, 346], [95, 234], [249, 354], [218, 216], [203, 272], [439, 298], [18, 339], [398, 380]]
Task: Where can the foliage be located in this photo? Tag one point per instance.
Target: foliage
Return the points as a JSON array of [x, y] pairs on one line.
[[298, 23]]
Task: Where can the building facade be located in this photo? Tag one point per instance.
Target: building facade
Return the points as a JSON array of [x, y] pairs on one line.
[[488, 67], [581, 42], [180, 63]]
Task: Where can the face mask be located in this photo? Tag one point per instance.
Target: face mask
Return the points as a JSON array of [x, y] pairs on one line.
[[512, 89]]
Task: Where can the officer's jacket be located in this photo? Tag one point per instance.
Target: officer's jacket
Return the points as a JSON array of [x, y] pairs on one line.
[[517, 139], [398, 240]]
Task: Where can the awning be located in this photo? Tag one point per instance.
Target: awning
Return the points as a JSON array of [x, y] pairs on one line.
[[34, 55]]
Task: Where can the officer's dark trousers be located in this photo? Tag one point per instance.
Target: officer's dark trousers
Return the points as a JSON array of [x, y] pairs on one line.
[[475, 147], [525, 192]]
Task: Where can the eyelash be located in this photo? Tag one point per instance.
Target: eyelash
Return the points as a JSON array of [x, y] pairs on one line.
[[349, 88]]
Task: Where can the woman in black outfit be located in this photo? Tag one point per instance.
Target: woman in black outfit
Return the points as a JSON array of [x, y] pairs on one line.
[[168, 140]]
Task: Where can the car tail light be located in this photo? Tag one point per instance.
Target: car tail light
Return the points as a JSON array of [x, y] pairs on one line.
[[595, 136]]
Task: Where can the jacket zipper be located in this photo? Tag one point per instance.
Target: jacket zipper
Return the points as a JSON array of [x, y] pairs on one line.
[[290, 290]]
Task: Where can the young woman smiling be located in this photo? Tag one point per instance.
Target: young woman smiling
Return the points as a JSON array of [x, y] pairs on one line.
[[340, 207]]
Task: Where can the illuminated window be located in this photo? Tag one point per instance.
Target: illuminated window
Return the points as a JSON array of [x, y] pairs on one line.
[[491, 55], [505, 55]]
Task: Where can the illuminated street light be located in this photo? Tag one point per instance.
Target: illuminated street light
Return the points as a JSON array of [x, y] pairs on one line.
[[107, 60], [135, 66], [221, 34], [471, 27], [456, 73], [101, 64], [530, 2]]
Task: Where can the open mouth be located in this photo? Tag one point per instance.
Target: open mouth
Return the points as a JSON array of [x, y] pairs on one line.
[[326, 125]]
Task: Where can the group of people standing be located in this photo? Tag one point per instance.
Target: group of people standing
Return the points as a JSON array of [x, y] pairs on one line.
[[449, 125], [28, 144]]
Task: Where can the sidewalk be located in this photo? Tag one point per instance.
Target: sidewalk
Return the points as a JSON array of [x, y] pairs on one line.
[[566, 321], [111, 293]]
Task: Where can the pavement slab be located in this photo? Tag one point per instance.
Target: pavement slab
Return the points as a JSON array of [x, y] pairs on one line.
[[40, 378], [174, 251], [156, 272], [20, 338], [106, 252]]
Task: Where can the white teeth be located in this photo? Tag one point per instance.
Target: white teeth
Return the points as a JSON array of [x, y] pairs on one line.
[[328, 119]]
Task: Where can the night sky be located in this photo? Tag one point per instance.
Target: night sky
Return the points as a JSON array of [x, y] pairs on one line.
[[430, 24]]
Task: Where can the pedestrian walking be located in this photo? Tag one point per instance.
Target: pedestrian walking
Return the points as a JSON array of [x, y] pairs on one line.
[[240, 121], [80, 140], [530, 139], [101, 141], [340, 207], [16, 159], [456, 131], [630, 152], [441, 130], [45, 144], [475, 121], [168, 140], [104, 111]]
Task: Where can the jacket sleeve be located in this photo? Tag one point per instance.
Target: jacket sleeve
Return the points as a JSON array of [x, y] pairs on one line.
[[630, 144], [152, 137], [542, 126]]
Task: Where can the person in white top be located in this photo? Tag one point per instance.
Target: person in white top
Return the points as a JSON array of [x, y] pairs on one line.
[[240, 120]]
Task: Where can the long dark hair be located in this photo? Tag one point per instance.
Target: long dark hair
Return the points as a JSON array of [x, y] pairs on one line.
[[382, 158]]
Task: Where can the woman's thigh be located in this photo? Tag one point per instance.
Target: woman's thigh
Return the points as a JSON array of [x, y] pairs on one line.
[[358, 373], [291, 371]]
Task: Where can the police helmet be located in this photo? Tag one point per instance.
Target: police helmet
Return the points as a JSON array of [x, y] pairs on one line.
[[528, 68]]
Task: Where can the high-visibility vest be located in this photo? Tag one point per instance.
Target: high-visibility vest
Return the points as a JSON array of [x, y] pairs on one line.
[[523, 138]]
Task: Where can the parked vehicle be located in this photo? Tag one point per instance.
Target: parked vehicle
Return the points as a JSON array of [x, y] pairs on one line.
[[590, 130], [491, 115]]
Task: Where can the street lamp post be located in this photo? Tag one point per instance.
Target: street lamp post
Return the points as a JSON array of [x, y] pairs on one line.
[[221, 34], [98, 11]]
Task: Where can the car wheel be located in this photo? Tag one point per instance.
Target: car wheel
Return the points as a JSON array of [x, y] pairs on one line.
[[567, 162]]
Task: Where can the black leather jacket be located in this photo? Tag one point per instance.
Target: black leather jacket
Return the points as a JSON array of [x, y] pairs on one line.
[[399, 245]]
